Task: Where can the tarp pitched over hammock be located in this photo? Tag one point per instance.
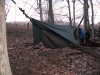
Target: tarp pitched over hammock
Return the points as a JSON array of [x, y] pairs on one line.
[[53, 36]]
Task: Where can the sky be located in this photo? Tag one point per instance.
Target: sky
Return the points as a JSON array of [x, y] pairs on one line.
[[14, 13], [59, 8]]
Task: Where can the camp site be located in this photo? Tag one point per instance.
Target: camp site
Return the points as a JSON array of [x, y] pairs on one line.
[[53, 37]]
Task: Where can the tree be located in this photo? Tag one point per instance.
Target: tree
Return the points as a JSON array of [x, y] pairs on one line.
[[74, 11], [92, 19], [86, 19], [50, 12], [4, 60], [40, 10], [69, 12]]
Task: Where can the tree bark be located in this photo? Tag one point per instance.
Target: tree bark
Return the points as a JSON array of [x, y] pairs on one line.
[[74, 11], [86, 19], [92, 19], [40, 6], [4, 60], [69, 12], [50, 13]]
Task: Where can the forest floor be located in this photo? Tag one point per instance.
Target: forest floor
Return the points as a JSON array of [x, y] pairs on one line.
[[26, 60]]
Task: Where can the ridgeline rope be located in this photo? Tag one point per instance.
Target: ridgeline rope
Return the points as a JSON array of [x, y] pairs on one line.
[[21, 9]]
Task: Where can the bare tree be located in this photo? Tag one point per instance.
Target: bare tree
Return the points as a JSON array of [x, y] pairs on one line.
[[41, 15], [86, 19], [69, 12], [50, 12], [74, 11], [4, 60], [81, 2], [92, 19]]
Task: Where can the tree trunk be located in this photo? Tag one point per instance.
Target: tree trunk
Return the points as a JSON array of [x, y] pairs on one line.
[[86, 19], [27, 27], [69, 12], [4, 60], [50, 13], [74, 11], [92, 19], [41, 15]]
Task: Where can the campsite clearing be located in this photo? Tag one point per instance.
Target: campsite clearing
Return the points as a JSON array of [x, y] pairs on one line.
[[25, 60]]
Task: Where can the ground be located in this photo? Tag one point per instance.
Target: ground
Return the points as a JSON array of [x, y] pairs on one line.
[[27, 60]]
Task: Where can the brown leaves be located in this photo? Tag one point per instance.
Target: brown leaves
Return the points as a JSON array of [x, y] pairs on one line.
[[25, 60]]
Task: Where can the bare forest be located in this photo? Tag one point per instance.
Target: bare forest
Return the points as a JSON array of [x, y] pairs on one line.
[[26, 59]]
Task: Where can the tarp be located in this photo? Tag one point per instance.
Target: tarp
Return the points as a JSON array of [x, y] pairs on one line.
[[53, 40], [64, 31]]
